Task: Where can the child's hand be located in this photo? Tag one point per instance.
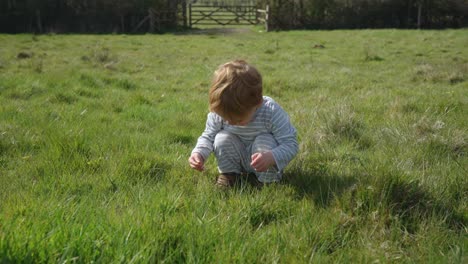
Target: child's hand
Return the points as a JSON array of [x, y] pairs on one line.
[[196, 162], [261, 161]]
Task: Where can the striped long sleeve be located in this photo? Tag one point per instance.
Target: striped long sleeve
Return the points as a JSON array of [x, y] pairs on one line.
[[269, 118]]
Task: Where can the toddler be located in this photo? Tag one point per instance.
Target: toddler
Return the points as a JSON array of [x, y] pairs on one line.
[[248, 132]]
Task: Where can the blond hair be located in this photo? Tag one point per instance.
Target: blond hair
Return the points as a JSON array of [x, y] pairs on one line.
[[236, 89]]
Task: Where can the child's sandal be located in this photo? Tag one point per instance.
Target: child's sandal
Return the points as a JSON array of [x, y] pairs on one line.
[[227, 180]]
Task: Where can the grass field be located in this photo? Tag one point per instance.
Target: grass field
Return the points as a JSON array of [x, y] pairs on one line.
[[96, 130]]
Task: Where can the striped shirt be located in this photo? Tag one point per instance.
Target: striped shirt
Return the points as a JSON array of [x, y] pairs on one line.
[[269, 118]]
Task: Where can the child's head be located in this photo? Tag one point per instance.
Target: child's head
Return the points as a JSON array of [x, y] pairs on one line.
[[236, 90]]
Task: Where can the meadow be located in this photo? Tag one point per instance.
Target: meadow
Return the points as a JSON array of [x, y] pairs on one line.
[[96, 130]]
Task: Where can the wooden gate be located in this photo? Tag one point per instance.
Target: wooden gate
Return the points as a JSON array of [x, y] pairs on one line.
[[222, 15]]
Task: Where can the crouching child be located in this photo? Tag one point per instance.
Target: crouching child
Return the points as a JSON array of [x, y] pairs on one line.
[[248, 132]]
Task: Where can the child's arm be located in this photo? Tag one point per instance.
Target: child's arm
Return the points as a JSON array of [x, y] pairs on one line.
[[204, 145], [286, 136]]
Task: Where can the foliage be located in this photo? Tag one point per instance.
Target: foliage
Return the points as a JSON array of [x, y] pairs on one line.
[[366, 13], [78, 15], [125, 15]]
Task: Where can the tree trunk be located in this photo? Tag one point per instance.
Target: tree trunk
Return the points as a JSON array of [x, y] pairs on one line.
[[408, 14], [38, 20], [419, 15], [184, 13], [151, 20]]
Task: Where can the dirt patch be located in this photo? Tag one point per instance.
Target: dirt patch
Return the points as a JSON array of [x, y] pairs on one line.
[[216, 31]]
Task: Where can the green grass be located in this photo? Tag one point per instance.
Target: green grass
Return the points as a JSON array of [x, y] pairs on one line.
[[95, 132]]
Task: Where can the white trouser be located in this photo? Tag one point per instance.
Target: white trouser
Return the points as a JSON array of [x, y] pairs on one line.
[[234, 156]]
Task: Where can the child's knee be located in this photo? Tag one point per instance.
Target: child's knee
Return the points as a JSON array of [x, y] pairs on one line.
[[264, 142], [224, 138]]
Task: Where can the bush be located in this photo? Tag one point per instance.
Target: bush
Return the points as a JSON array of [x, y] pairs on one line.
[[366, 13]]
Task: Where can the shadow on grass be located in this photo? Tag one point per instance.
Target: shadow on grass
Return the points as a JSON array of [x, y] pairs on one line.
[[318, 185], [394, 199], [411, 203]]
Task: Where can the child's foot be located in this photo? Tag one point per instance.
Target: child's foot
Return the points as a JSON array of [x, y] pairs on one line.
[[252, 179], [226, 180]]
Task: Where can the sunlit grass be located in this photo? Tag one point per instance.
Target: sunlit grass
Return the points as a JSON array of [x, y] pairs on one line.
[[95, 132]]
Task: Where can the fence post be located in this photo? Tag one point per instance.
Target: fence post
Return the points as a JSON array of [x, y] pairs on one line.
[[190, 15], [267, 17], [257, 15]]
